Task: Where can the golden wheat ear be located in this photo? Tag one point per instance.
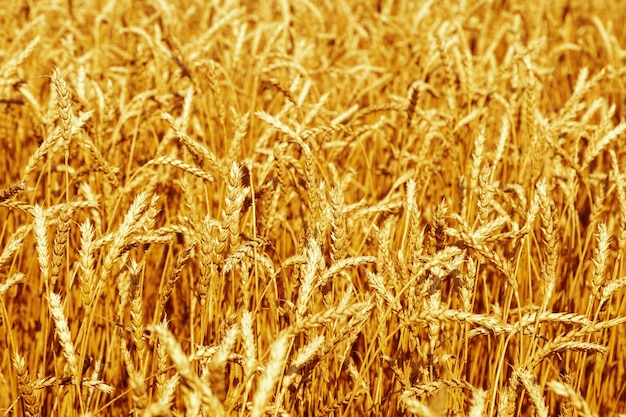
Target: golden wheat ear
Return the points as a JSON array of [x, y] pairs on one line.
[[11, 191]]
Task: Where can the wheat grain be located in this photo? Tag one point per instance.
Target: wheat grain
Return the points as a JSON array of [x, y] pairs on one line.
[[211, 67], [63, 332], [87, 274], [65, 110], [550, 240], [13, 245], [242, 124], [95, 385], [231, 216], [217, 366], [59, 244], [508, 397], [11, 191], [198, 390], [574, 398], [43, 252], [10, 282], [477, 408], [157, 410], [137, 383], [277, 124], [414, 406], [250, 350], [168, 160], [556, 346], [25, 386], [167, 287], [310, 276], [10, 67], [339, 238], [136, 311], [600, 260], [278, 356], [534, 392], [208, 258]]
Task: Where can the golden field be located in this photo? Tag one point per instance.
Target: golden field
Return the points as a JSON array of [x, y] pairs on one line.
[[312, 208]]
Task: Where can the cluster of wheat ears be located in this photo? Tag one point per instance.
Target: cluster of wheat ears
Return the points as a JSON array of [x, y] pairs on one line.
[[312, 208]]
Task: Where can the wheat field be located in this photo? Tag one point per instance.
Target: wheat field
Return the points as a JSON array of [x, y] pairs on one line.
[[312, 208]]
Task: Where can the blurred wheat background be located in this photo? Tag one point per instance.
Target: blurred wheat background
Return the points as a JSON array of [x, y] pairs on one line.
[[312, 208]]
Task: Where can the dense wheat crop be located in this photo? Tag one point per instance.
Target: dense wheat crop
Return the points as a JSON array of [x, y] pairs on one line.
[[312, 208]]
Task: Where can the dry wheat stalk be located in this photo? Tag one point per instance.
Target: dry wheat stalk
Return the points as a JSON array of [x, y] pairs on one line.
[[469, 241], [47, 146], [284, 91], [340, 266], [161, 365], [468, 281], [487, 323]]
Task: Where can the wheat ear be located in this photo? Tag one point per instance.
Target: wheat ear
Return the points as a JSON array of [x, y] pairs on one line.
[[278, 356], [25, 387]]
